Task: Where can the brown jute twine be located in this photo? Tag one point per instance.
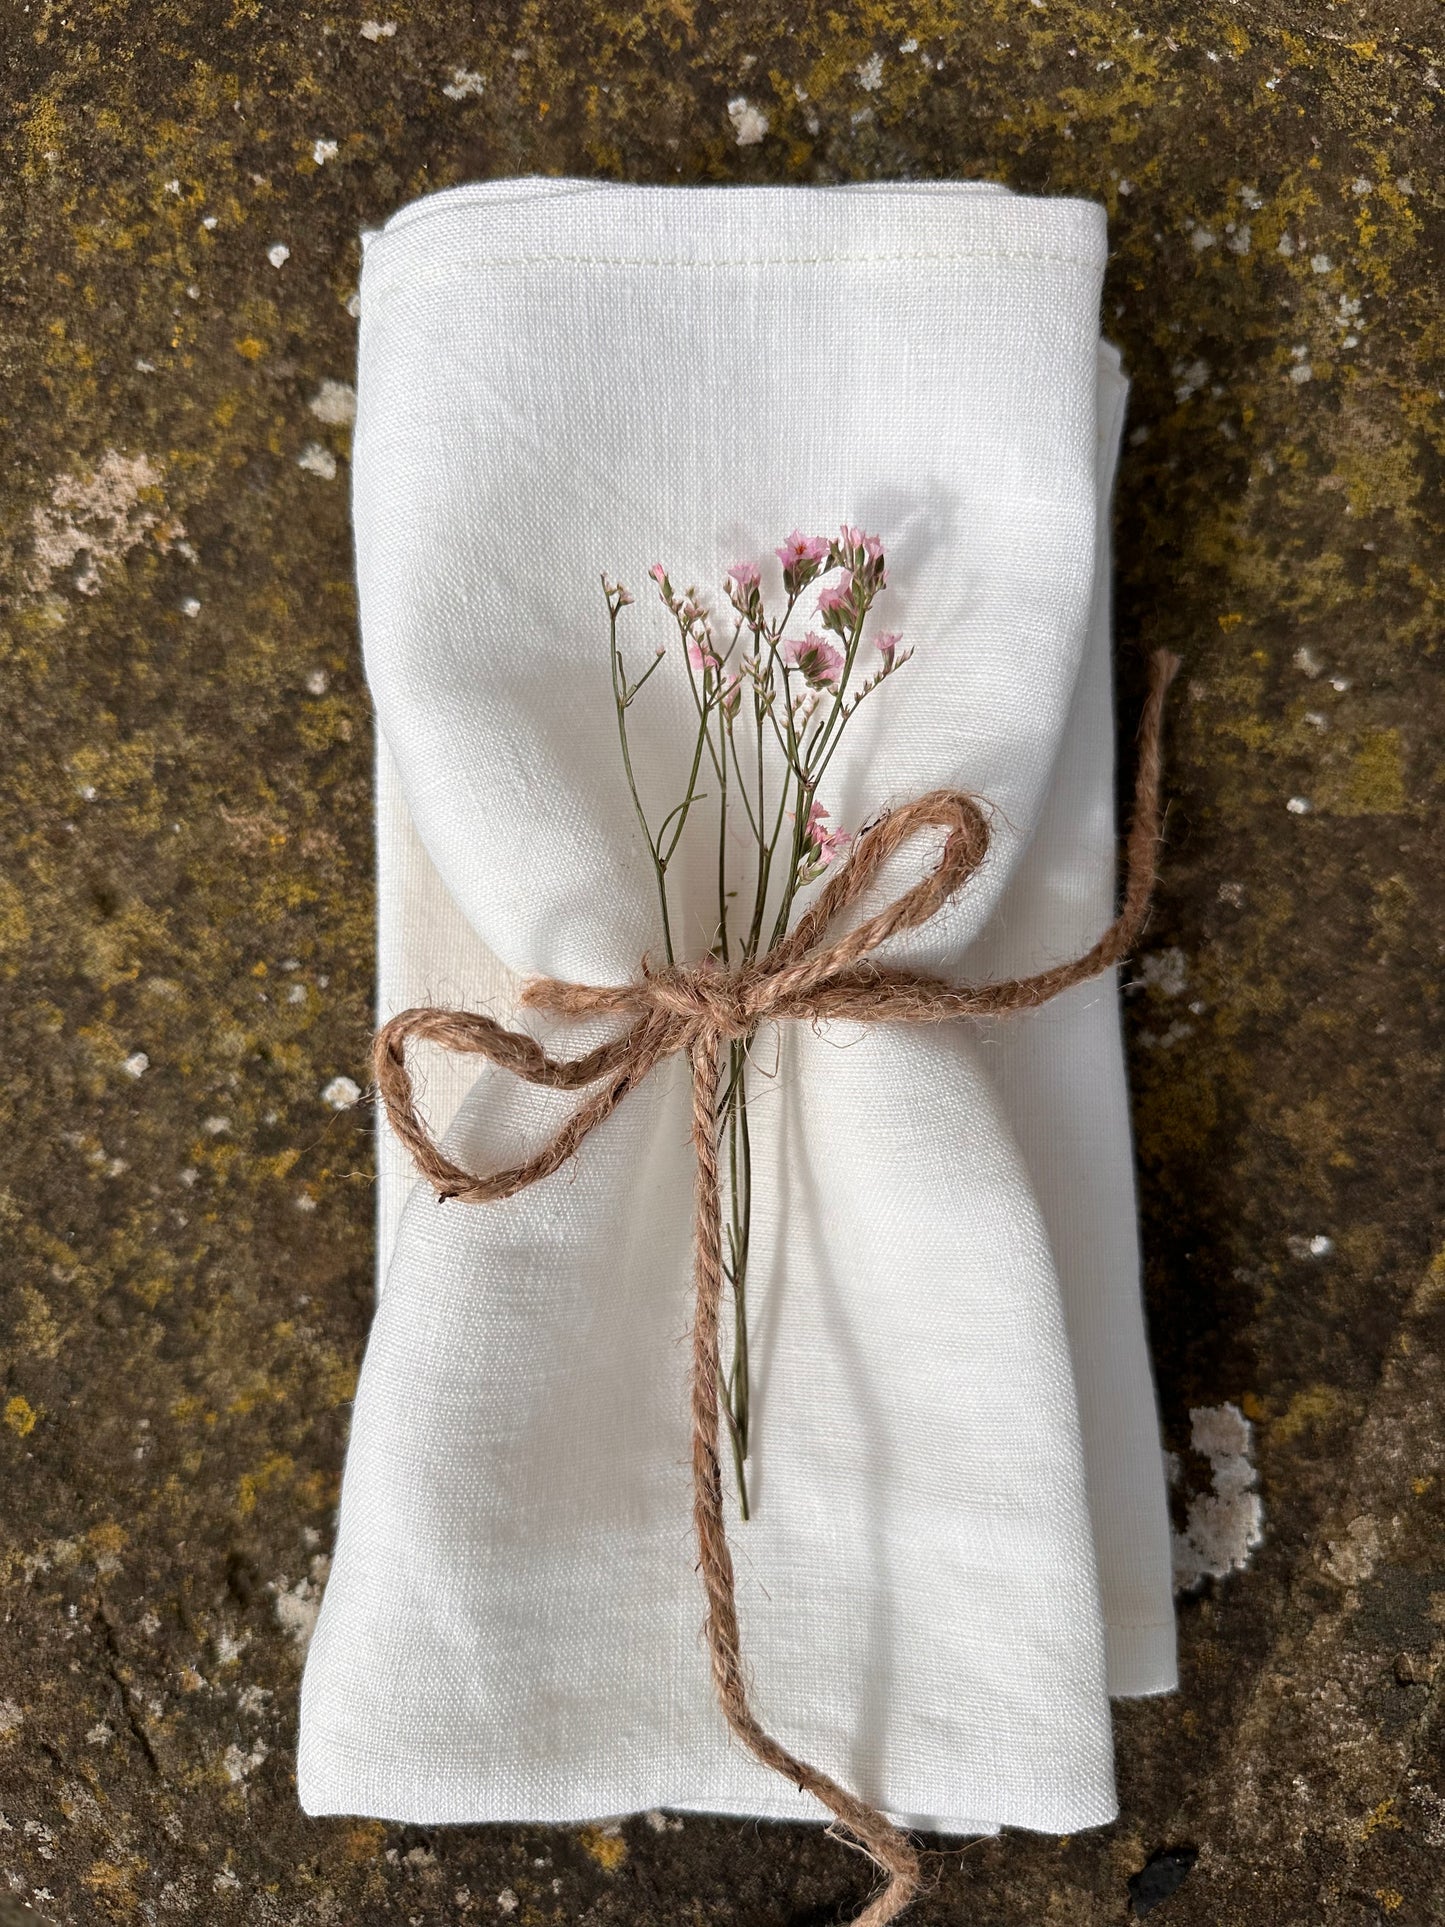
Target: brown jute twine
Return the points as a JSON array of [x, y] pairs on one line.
[[694, 1009]]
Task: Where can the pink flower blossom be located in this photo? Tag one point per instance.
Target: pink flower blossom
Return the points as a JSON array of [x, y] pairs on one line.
[[659, 576], [803, 548], [887, 647], [825, 844], [744, 591], [835, 603], [820, 663], [732, 694], [855, 539], [801, 556], [700, 656], [863, 554]]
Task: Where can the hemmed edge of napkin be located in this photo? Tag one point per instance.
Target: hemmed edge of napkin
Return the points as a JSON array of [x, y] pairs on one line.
[[1142, 1660], [385, 1789], [532, 220]]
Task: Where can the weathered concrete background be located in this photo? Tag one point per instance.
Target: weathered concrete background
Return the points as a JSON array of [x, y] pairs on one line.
[[186, 874]]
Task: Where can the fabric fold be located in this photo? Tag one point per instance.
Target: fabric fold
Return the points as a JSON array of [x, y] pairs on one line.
[[960, 1541]]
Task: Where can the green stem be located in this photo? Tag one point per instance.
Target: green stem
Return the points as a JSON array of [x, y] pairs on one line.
[[622, 696], [722, 842]]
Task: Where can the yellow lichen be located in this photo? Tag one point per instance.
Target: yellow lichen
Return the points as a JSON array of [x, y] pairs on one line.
[[1382, 1818], [20, 1415], [1316, 1406], [608, 1849], [273, 1470]]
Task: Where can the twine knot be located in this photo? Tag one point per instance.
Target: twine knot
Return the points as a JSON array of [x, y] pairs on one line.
[[696, 1008], [707, 997]]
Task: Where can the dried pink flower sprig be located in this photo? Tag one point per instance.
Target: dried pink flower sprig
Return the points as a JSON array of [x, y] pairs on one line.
[[820, 844], [771, 707]]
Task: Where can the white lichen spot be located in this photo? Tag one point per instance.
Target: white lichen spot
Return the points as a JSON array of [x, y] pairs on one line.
[[323, 151], [1232, 894], [377, 29], [10, 1718], [238, 1765], [210, 222], [252, 1699], [1252, 198], [229, 1648], [99, 1735], [1307, 662], [1301, 373], [1201, 238], [870, 73], [1353, 1558], [137, 1064], [296, 1610], [1321, 263], [507, 1902], [191, 607], [216, 1126], [1319, 1246], [278, 254], [226, 1881], [317, 684], [1191, 377], [305, 1201], [1360, 187], [750, 124], [317, 460], [334, 403], [1433, 1806], [1285, 246], [1298, 806], [1225, 1524], [96, 520], [1166, 971], [464, 84], [341, 1093], [1240, 239], [909, 46]]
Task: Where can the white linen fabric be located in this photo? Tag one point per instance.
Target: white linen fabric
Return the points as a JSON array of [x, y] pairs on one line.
[[960, 1541]]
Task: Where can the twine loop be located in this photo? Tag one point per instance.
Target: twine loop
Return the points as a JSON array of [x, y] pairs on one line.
[[696, 1009]]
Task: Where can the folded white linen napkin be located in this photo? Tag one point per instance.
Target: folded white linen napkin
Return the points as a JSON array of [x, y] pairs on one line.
[[960, 1544]]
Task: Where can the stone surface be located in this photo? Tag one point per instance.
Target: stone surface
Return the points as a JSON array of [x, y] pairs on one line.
[[185, 902]]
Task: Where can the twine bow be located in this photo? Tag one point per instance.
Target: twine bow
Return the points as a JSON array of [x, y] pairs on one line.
[[694, 1009]]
